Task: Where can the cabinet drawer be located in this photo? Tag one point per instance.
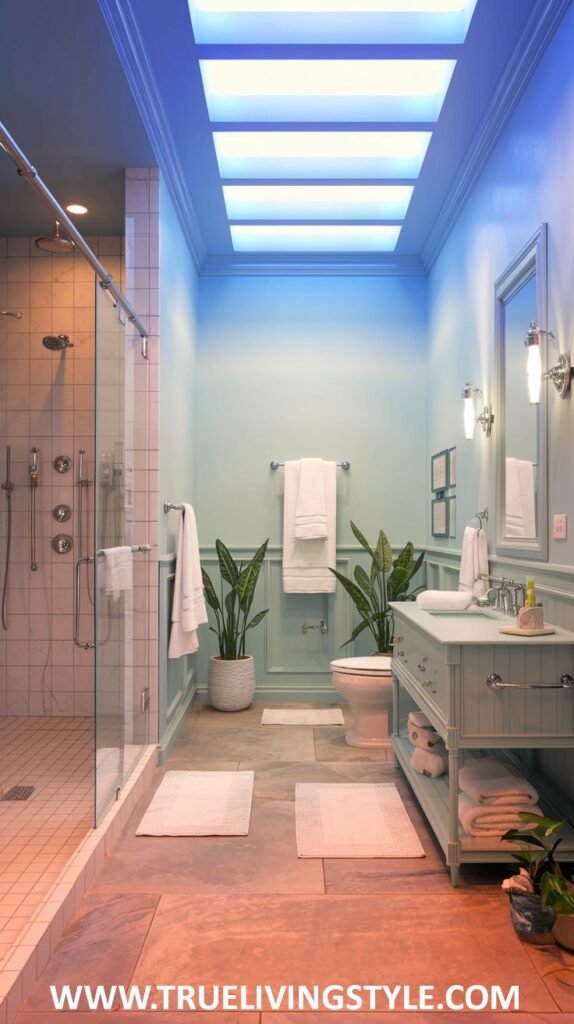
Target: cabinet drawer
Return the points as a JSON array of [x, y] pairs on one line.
[[423, 664]]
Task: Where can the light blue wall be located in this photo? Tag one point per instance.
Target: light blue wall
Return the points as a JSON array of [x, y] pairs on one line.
[[178, 318], [528, 180], [326, 367]]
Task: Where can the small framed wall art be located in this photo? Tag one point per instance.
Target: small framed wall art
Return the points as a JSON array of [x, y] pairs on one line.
[[440, 510], [439, 471]]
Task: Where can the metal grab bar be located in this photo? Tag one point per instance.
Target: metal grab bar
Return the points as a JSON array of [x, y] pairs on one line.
[[88, 645], [495, 682], [342, 465]]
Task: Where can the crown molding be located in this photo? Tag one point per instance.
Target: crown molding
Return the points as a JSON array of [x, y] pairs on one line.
[[122, 25], [528, 51], [281, 266]]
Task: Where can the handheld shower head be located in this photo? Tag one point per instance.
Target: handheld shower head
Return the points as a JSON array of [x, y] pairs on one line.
[[57, 342], [12, 313], [57, 245]]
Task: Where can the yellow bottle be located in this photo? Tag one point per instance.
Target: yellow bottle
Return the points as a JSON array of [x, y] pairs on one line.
[[530, 599]]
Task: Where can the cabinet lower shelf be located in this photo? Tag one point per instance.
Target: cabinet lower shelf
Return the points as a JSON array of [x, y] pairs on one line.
[[433, 797]]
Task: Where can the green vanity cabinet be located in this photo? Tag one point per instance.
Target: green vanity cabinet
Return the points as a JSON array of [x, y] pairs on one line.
[[483, 691]]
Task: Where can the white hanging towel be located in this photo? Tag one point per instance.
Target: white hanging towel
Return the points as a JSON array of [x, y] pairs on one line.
[[473, 562], [188, 609], [306, 562], [514, 526], [118, 576], [527, 489], [311, 506]]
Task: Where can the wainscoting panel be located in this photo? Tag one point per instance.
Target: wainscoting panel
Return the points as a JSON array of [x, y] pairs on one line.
[[176, 686]]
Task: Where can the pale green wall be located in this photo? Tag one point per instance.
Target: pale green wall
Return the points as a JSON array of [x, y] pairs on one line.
[[178, 318]]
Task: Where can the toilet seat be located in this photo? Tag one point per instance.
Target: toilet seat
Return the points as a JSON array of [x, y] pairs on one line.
[[370, 666]]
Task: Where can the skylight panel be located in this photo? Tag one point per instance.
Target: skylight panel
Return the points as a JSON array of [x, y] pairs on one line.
[[331, 21], [320, 154], [325, 90], [314, 238], [317, 202]]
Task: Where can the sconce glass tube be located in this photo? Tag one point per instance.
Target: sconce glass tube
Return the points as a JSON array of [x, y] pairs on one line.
[[533, 363], [469, 417]]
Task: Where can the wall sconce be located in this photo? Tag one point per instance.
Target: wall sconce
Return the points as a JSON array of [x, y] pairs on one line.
[[486, 418], [560, 374]]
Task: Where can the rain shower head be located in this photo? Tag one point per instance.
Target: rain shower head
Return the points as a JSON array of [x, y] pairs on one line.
[[57, 245], [12, 313], [57, 342]]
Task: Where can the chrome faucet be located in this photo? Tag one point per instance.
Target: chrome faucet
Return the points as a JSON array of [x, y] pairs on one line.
[[506, 596]]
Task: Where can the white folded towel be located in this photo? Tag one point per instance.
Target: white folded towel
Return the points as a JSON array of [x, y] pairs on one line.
[[306, 563], [473, 562], [429, 762], [418, 718], [311, 507], [490, 782], [478, 820], [426, 739], [117, 574], [445, 600], [188, 609], [527, 488]]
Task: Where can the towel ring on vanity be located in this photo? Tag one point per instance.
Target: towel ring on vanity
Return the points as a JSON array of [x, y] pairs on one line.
[[495, 682]]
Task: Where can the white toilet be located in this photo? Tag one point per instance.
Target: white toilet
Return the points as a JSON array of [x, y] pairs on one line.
[[366, 684]]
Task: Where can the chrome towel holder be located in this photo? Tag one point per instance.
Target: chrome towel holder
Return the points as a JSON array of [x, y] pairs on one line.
[[168, 506], [345, 466]]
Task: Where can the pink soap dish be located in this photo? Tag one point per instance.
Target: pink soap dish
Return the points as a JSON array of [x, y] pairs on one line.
[[515, 631]]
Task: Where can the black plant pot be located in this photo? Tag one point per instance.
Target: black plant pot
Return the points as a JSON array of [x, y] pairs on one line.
[[531, 920]]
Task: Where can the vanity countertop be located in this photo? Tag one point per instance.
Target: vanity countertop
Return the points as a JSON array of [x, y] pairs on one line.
[[473, 626]]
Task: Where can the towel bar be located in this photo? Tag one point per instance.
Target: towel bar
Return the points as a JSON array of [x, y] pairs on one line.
[[275, 465], [168, 506], [495, 682]]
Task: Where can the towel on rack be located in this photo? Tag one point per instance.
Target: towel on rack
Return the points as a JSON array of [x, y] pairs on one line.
[[444, 600], [431, 763], [419, 720], [311, 507], [306, 562], [473, 562], [520, 508], [481, 820], [426, 739], [489, 781], [188, 608], [116, 570]]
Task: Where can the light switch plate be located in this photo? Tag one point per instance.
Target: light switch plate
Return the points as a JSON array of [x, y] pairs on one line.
[[560, 526]]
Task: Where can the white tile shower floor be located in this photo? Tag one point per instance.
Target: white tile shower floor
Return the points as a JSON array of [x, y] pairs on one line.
[[38, 835]]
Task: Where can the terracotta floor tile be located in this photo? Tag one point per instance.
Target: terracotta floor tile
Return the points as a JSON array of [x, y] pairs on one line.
[[459, 938], [276, 780], [331, 745], [555, 966], [101, 946], [206, 717], [120, 1017], [272, 743], [412, 1017], [265, 861]]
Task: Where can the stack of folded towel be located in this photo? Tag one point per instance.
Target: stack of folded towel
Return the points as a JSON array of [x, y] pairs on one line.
[[493, 795], [429, 756]]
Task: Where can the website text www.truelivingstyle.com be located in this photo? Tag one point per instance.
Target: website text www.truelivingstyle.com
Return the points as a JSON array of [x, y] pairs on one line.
[[300, 998]]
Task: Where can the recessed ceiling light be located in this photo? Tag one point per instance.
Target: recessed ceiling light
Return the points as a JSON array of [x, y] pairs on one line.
[[77, 208], [317, 202], [314, 237], [320, 154], [325, 90], [330, 21]]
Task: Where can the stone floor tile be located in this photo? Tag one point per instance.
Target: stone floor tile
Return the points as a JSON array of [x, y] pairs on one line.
[[331, 745], [276, 780]]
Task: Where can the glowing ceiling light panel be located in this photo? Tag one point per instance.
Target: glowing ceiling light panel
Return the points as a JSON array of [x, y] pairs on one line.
[[325, 90], [320, 154], [331, 21], [364, 238], [317, 202]]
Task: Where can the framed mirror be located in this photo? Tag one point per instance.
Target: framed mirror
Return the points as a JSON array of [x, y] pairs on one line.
[[521, 452]]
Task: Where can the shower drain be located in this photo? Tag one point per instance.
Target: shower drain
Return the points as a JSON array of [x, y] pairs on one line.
[[18, 793]]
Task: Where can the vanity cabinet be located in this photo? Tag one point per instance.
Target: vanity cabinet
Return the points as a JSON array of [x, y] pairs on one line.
[[442, 663]]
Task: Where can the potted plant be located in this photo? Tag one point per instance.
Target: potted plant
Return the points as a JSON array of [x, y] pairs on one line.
[[558, 894], [231, 678], [371, 592], [539, 891]]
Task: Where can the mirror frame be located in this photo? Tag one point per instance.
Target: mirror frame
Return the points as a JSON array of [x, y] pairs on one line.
[[530, 261]]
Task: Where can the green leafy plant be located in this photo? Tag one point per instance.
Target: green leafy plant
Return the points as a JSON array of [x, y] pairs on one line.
[[537, 858], [232, 609], [371, 592]]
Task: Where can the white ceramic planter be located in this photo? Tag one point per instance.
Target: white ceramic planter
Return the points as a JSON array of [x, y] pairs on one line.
[[564, 930], [231, 684]]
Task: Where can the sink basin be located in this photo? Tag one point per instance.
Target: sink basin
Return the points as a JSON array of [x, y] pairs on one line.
[[468, 613]]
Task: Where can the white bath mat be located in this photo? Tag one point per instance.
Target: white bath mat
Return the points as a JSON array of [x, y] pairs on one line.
[[200, 804], [353, 820], [302, 716]]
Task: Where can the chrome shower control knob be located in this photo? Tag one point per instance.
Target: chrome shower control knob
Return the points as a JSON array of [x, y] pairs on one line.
[[62, 513], [62, 463], [62, 543]]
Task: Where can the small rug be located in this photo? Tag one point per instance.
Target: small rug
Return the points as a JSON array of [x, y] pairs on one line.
[[353, 820], [302, 716], [200, 804]]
